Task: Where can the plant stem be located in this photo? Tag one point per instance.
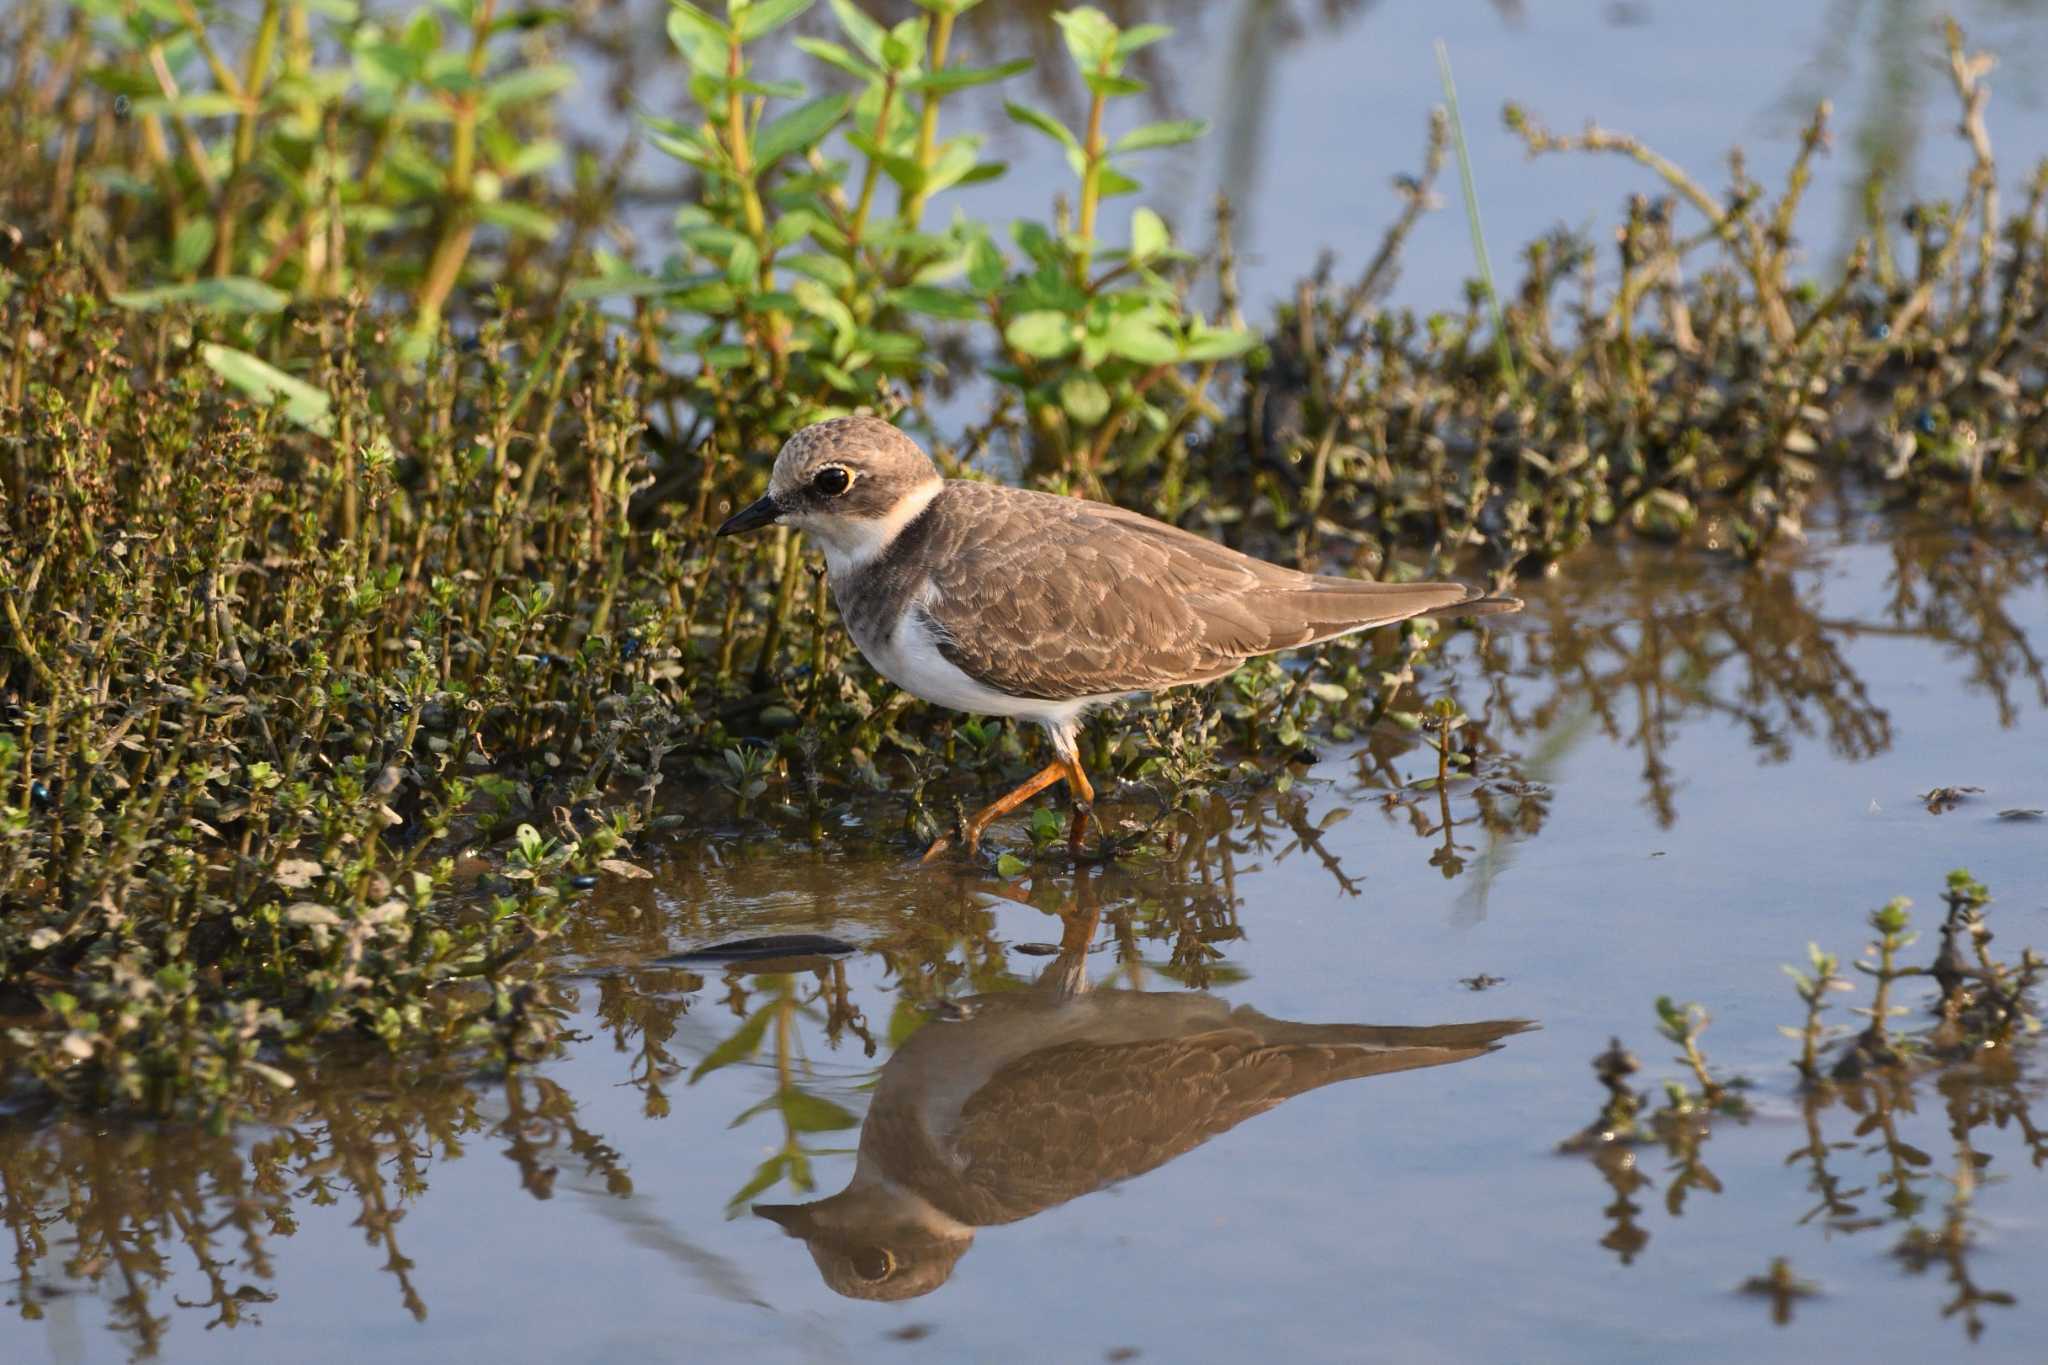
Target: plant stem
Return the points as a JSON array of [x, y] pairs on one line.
[[872, 174], [459, 223], [1500, 331], [928, 119], [1091, 177]]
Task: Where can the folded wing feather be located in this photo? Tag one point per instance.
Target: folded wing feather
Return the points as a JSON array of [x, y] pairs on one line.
[[1057, 598]]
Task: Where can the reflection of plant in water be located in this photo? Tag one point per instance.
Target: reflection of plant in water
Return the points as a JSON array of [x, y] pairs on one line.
[[127, 1206], [803, 1113], [1949, 1245], [1643, 652], [1781, 1287], [1967, 1054]]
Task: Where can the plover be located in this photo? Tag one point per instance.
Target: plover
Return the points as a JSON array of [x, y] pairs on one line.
[[1007, 602], [1035, 1097]]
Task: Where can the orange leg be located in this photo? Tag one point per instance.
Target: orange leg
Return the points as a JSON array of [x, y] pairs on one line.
[[996, 810], [1084, 802]]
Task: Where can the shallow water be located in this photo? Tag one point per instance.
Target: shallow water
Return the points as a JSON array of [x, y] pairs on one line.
[[1690, 770]]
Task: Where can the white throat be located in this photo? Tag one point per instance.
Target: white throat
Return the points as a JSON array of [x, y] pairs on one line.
[[853, 543]]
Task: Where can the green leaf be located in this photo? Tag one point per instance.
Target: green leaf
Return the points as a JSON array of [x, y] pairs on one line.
[[1161, 135], [743, 1044], [765, 16], [193, 245], [685, 145], [1010, 865], [904, 46], [986, 268], [1037, 243], [1041, 333], [1084, 398], [524, 219], [961, 77], [1217, 344], [392, 63], [115, 81], [936, 302], [743, 265], [703, 41], [1044, 123], [809, 1114], [829, 271], [533, 157], [814, 299], [1149, 236], [529, 20], [867, 35], [834, 55], [782, 90], [304, 405], [1109, 87], [1111, 181], [799, 129], [765, 1175], [228, 294], [1136, 337], [1090, 35], [523, 87], [1142, 35], [953, 165]]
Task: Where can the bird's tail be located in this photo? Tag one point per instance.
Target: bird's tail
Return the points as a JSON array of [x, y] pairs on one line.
[[1325, 607], [1319, 1054], [1481, 1034], [1493, 604]]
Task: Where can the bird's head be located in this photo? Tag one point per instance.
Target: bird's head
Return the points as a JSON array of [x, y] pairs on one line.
[[853, 482], [875, 1243]]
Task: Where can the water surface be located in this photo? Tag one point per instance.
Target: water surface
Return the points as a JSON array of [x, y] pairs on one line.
[[1688, 771]]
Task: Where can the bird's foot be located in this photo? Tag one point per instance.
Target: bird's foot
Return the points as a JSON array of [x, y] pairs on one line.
[[1078, 828], [967, 832]]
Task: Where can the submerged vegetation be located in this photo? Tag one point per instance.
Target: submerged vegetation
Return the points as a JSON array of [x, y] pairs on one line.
[[356, 585]]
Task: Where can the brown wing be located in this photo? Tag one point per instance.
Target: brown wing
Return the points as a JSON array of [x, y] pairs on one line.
[[1057, 598], [1076, 1117]]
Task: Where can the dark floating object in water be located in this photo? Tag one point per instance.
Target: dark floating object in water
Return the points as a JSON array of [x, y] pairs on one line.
[[583, 881], [2023, 814], [1035, 949], [759, 949], [1942, 800]]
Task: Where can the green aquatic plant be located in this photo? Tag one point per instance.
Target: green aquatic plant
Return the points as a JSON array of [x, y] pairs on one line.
[[1814, 986], [1471, 197], [1875, 1046], [1684, 1025]]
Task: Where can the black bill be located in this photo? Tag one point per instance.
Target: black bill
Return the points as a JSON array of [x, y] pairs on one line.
[[761, 512]]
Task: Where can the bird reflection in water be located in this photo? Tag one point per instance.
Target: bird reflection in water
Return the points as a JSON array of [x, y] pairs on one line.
[[1027, 1099]]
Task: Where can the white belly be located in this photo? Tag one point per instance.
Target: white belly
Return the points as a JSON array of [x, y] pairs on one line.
[[910, 658]]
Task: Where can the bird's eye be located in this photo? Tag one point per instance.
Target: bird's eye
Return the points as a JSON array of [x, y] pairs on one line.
[[874, 1264], [832, 480]]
